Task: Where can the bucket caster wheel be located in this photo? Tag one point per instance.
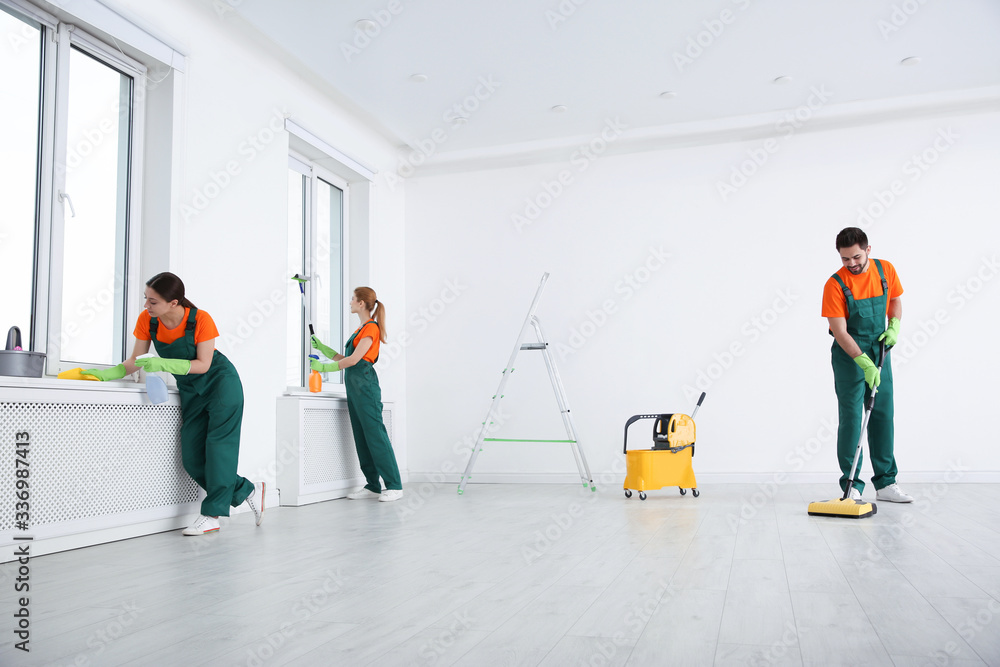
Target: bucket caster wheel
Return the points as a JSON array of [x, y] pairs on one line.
[[642, 495], [628, 494], [695, 492], [683, 491]]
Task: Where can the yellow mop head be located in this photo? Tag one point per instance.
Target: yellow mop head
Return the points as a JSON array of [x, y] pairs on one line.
[[846, 509]]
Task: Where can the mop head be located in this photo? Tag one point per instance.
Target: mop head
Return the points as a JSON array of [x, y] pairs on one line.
[[845, 509]]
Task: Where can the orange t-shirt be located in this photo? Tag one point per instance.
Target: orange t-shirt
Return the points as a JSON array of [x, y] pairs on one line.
[[368, 330], [204, 328], [862, 286]]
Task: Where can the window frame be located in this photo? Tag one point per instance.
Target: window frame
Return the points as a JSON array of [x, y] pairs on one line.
[[58, 39], [302, 164]]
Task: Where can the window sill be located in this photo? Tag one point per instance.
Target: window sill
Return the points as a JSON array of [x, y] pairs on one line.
[[329, 391]]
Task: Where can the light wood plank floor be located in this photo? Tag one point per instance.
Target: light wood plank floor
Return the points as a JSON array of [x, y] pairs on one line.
[[537, 575]]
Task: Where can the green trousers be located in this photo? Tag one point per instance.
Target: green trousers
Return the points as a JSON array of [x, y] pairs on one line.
[[210, 439], [852, 393], [364, 405]]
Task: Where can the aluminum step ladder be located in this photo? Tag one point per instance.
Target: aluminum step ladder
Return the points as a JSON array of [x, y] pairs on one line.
[[541, 345]]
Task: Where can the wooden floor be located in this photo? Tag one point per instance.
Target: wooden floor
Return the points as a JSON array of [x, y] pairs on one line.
[[537, 575]]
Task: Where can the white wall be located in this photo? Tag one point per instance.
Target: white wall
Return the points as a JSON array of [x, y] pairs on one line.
[[732, 264], [230, 248]]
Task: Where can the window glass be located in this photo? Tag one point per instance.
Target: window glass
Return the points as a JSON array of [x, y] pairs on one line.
[[96, 224], [20, 95]]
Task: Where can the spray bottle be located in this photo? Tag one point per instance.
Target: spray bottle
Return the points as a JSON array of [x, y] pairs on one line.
[[315, 378]]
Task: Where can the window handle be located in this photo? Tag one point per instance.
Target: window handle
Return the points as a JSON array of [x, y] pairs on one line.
[[69, 200]]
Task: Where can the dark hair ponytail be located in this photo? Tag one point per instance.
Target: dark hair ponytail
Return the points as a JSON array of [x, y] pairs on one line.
[[170, 287]]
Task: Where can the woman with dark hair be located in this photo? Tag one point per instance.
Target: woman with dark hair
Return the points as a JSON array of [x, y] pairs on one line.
[[364, 397], [211, 397]]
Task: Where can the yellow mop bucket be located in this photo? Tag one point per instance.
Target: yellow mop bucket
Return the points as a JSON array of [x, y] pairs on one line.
[[668, 463]]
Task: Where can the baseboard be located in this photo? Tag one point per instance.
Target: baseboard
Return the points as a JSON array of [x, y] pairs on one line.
[[922, 477]]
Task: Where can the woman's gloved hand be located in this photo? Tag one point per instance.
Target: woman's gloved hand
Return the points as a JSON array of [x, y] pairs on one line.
[[331, 367], [873, 376], [891, 334], [328, 352], [158, 364], [105, 374]]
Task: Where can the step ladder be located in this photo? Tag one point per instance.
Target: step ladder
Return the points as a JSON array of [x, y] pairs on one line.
[[541, 345]]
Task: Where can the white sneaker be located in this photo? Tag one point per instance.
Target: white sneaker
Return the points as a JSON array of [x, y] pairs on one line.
[[855, 494], [256, 502], [362, 493], [203, 524], [893, 494], [389, 495]]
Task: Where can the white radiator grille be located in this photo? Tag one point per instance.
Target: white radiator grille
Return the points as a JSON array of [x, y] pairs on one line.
[[92, 460], [328, 451]]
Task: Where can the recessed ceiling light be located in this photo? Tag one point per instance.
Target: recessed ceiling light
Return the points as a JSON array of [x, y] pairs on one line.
[[912, 60], [667, 94], [458, 121], [418, 78], [783, 79], [366, 25], [560, 108]]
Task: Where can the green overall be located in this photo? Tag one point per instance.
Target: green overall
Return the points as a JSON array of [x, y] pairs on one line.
[[865, 323], [212, 411], [364, 405]]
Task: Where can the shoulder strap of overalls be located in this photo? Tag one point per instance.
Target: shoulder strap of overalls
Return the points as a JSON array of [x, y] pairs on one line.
[[847, 291], [881, 274], [847, 295]]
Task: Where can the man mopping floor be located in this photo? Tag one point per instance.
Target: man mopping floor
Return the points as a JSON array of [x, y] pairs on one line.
[[856, 302]]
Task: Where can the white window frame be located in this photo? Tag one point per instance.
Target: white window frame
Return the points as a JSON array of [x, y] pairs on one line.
[[52, 212], [314, 172]]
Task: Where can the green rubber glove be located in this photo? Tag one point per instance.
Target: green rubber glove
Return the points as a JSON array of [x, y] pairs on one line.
[[873, 376], [158, 364], [105, 374], [331, 367], [328, 352], [891, 334]]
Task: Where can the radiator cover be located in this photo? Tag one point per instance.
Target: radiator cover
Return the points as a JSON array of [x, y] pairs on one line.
[[317, 459]]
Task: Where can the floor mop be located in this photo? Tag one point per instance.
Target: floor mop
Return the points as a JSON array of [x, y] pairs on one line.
[[845, 507]]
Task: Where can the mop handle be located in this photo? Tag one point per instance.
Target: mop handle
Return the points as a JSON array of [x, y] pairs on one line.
[[695, 411], [883, 351]]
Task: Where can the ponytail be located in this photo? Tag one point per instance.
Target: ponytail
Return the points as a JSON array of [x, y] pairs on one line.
[[367, 296]]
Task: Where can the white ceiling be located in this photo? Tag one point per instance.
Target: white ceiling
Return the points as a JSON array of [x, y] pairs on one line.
[[606, 60]]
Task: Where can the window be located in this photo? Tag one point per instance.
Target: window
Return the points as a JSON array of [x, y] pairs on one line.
[[317, 201], [68, 230]]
